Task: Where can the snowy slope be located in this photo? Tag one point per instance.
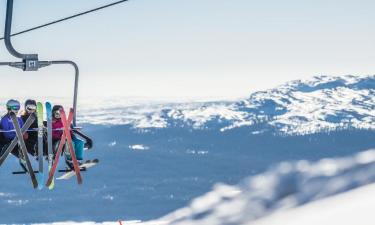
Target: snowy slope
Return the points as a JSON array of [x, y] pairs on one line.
[[288, 187], [298, 107], [354, 207]]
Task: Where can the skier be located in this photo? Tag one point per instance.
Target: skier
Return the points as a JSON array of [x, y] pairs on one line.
[[57, 132], [8, 129], [32, 141]]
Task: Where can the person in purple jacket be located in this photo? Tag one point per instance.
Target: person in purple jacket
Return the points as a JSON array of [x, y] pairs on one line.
[[8, 128], [6, 122]]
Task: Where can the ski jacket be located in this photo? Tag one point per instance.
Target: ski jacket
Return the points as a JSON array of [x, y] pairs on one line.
[[7, 125], [33, 135], [57, 129]]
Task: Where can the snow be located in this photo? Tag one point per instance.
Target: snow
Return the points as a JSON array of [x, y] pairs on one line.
[[353, 207], [17, 202], [328, 103], [198, 152], [299, 107], [297, 192], [138, 147], [109, 197], [112, 144]]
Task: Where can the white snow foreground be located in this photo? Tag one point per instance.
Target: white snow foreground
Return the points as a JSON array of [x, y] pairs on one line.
[[331, 191], [321, 103], [352, 208]]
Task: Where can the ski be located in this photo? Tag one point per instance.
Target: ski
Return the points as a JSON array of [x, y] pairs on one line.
[[14, 142], [68, 137], [55, 162], [39, 110], [23, 150], [83, 167], [49, 141], [63, 140]]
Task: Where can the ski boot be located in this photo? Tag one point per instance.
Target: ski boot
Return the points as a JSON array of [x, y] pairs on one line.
[[69, 164], [68, 159]]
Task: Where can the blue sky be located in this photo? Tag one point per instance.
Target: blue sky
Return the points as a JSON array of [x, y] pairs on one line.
[[194, 49]]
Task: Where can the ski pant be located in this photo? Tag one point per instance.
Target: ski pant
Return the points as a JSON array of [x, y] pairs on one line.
[[78, 146], [16, 150], [32, 147]]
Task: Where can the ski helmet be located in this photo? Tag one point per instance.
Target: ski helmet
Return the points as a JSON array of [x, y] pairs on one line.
[[30, 104], [13, 105], [56, 110]]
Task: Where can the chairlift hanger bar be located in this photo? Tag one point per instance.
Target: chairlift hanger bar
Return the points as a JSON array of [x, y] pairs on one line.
[[66, 18]]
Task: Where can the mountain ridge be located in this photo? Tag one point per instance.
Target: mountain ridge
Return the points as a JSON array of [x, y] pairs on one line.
[[322, 103]]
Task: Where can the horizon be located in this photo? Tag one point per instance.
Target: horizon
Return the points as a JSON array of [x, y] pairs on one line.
[[67, 100]]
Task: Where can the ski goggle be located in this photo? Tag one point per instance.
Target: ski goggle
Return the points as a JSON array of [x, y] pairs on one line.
[[13, 107], [30, 107], [57, 114]]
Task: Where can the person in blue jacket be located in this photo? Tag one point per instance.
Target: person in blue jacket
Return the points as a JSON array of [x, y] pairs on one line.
[[8, 128]]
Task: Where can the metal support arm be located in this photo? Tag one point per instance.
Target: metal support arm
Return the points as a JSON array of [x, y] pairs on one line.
[[76, 76], [30, 60], [48, 63], [8, 30]]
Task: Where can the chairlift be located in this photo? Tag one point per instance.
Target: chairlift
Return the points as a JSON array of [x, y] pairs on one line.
[[31, 62]]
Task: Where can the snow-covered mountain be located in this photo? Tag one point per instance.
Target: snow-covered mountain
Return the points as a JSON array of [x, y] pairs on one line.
[[299, 107]]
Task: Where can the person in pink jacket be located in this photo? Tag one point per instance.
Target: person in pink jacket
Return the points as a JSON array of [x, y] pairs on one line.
[[57, 132], [57, 125]]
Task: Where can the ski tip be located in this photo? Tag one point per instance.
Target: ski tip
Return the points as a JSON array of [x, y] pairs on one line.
[[49, 182], [35, 185], [52, 185], [40, 178]]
